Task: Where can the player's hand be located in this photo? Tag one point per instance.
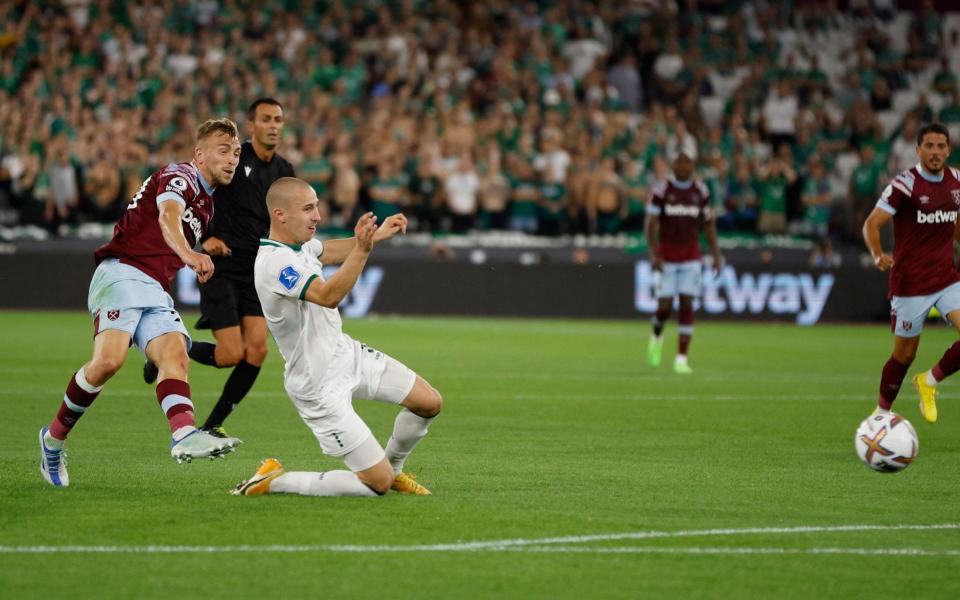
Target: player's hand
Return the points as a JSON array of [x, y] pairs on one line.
[[201, 264], [657, 263], [365, 230], [214, 246], [718, 263], [391, 226], [883, 262]]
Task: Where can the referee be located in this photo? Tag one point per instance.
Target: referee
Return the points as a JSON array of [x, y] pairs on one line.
[[228, 301]]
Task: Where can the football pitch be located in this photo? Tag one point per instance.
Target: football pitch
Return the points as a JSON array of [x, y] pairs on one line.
[[561, 467]]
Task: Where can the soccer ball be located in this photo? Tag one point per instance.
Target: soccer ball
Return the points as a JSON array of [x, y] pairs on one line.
[[886, 443]]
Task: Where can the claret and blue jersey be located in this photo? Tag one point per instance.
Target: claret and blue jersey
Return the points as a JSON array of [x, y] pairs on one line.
[[924, 209]]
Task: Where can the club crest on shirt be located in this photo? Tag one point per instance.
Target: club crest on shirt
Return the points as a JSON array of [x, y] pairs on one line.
[[956, 195], [289, 277], [113, 315]]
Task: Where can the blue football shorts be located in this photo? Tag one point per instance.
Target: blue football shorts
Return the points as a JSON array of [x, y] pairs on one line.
[[125, 298], [907, 313], [680, 278]]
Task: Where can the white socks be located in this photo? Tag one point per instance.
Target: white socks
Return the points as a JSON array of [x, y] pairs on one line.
[[328, 483], [183, 432], [930, 379], [408, 429], [53, 443]]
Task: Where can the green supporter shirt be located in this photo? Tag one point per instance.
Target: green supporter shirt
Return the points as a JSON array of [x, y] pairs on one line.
[[864, 180], [634, 185], [313, 167], [525, 207], [381, 208], [773, 195], [816, 213], [554, 196], [950, 114]]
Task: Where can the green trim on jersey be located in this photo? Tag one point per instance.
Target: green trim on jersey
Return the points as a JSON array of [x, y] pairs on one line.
[[303, 292], [268, 242]]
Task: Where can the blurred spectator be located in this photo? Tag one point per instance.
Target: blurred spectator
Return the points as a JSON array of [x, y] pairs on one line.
[[625, 78], [387, 192], [63, 194], [605, 200], [494, 193], [741, 203], [903, 152], [385, 98], [780, 112], [524, 195], [635, 191], [816, 200], [773, 178], [864, 190], [460, 188]]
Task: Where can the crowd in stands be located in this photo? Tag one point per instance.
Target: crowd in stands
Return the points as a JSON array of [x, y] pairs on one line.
[[549, 117]]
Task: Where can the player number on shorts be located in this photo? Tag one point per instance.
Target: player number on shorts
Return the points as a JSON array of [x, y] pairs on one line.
[[139, 194]]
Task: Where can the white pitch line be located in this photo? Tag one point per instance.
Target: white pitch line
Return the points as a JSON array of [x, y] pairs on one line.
[[550, 544], [734, 551]]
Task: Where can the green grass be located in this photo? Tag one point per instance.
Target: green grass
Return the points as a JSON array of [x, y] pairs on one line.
[[549, 429]]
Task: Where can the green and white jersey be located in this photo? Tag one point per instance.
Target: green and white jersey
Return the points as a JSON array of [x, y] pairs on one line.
[[309, 335]]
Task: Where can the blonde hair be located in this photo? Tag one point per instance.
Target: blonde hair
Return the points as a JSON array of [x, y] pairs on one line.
[[216, 127]]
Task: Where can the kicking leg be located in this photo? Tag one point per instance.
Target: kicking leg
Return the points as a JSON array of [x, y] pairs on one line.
[[895, 369], [109, 352], [169, 353]]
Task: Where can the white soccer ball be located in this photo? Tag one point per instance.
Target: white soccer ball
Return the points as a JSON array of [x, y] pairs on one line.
[[886, 443]]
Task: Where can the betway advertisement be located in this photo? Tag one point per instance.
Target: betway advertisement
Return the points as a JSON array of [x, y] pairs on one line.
[[745, 289], [802, 296]]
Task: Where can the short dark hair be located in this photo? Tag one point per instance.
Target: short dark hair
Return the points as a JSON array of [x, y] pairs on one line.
[[933, 128], [252, 111], [216, 127]]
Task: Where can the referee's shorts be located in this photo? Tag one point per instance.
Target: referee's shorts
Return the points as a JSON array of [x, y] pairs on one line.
[[229, 295]]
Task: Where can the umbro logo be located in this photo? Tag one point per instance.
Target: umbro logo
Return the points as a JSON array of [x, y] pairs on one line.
[[924, 199]]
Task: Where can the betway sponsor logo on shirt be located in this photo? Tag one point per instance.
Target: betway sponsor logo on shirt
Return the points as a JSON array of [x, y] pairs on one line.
[[681, 210], [193, 222], [802, 295], [937, 216]]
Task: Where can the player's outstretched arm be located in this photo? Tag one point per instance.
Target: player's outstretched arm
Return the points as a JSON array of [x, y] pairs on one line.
[[170, 227], [710, 230], [336, 251], [331, 292], [871, 236], [652, 231], [390, 227]]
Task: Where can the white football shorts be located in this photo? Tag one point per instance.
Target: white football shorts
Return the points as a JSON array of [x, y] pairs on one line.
[[361, 372]]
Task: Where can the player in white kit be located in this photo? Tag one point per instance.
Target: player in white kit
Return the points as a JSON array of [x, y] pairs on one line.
[[324, 368]]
